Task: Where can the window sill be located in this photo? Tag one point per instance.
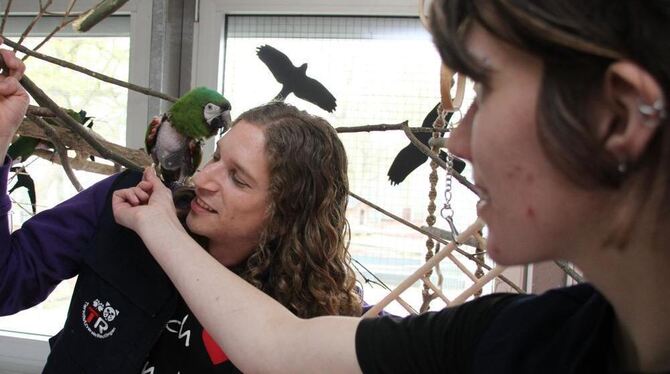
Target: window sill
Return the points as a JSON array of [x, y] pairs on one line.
[[22, 353]]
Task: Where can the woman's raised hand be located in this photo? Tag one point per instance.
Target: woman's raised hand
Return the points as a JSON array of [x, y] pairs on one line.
[[148, 205], [13, 98]]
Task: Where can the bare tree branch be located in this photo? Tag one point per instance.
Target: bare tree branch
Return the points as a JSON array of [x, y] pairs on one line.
[[426, 151], [96, 14], [73, 125], [74, 142], [91, 73], [386, 127], [60, 149], [434, 237], [60, 14], [5, 16], [77, 163], [32, 24], [62, 25], [40, 111], [569, 271]]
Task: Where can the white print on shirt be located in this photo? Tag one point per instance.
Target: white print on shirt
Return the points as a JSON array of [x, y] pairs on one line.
[[180, 333], [146, 370], [97, 318], [150, 370]]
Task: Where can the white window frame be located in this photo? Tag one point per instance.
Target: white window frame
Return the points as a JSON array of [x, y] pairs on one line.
[[27, 353]]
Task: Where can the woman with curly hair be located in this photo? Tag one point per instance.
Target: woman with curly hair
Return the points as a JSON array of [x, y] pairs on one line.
[[270, 205]]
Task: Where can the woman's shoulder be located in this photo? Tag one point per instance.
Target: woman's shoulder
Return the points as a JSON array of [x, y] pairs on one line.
[[528, 330]]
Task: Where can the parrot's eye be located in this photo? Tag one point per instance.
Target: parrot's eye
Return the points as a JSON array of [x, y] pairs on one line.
[[209, 106]]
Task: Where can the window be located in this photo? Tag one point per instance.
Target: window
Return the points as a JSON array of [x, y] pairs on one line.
[[381, 70]]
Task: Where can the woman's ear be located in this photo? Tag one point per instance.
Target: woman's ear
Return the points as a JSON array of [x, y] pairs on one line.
[[634, 108]]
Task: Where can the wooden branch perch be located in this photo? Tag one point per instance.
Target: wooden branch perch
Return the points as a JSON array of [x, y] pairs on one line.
[[426, 151], [73, 141], [419, 273], [60, 149], [73, 125], [5, 16], [77, 163], [91, 73], [385, 127], [434, 237], [96, 14], [569, 271], [64, 22], [29, 28], [40, 111]]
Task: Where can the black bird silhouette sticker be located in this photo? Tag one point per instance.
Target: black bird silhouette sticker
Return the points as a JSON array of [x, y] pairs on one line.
[[410, 158], [293, 79], [25, 180]]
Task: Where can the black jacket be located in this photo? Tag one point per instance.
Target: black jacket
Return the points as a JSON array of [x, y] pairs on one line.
[[121, 302]]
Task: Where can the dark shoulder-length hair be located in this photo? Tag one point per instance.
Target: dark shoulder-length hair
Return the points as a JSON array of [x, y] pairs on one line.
[[577, 40], [302, 258]]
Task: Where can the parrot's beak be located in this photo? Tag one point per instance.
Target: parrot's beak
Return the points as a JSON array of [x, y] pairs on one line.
[[222, 122]]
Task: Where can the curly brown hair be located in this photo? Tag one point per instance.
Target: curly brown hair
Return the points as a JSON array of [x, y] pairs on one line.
[[302, 259]]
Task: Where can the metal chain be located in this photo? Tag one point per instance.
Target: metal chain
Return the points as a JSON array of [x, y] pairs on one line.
[[447, 212]]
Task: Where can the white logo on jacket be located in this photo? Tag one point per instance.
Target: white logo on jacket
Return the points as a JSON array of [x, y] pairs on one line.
[[97, 318]]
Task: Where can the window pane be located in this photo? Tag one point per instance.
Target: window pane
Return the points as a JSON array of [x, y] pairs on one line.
[[103, 101], [381, 70]]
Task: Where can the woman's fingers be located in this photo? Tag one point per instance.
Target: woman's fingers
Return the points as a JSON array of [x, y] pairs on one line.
[[14, 64], [133, 196]]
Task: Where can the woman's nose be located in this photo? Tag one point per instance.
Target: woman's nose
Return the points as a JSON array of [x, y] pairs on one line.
[[459, 140], [204, 178]]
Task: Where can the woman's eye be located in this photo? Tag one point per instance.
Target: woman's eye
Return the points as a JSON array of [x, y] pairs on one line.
[[236, 180]]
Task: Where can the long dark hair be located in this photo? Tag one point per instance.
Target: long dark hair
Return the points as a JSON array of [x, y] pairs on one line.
[[576, 40]]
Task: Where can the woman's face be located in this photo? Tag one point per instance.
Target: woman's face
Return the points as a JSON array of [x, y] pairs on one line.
[[232, 196], [533, 212]]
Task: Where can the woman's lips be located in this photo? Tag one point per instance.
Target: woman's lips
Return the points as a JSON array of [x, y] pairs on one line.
[[199, 205]]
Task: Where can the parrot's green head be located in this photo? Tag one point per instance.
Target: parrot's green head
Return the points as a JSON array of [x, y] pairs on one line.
[[200, 113]]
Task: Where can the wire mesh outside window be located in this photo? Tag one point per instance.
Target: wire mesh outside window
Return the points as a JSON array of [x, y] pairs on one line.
[[382, 70]]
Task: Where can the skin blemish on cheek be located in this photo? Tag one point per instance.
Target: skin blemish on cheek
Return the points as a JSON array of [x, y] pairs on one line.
[[530, 212], [514, 172]]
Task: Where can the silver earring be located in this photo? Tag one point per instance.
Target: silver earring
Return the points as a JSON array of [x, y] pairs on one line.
[[622, 167], [653, 113]]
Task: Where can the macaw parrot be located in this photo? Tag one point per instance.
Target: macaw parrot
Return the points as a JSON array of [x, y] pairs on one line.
[[293, 79], [410, 158], [174, 139]]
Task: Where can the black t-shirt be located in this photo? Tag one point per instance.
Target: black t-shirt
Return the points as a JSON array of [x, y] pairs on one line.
[[186, 348], [563, 331]]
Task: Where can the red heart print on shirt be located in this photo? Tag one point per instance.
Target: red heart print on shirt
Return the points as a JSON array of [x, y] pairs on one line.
[[216, 354]]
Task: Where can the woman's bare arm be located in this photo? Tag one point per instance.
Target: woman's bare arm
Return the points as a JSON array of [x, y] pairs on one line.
[[257, 333]]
